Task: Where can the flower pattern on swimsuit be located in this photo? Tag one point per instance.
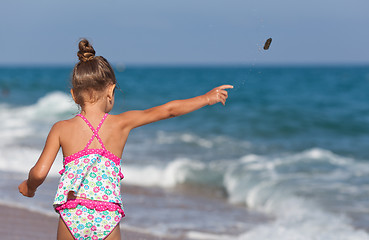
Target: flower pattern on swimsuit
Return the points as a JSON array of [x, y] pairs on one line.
[[92, 176], [85, 223]]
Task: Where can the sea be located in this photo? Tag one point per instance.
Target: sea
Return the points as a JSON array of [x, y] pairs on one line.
[[287, 157]]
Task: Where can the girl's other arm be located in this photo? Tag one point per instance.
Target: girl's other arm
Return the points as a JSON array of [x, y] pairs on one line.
[[176, 108], [38, 173]]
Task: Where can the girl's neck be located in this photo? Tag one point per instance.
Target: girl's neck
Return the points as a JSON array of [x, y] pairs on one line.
[[103, 105], [96, 109]]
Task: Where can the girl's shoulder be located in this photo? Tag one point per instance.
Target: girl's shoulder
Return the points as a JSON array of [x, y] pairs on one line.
[[65, 128], [60, 125], [122, 119]]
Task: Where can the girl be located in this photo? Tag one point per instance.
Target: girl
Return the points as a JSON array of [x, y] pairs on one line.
[[88, 196]]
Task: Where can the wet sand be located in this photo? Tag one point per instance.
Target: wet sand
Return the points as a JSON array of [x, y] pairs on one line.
[[21, 224]]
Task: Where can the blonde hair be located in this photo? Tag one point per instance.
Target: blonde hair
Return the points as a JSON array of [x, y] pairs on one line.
[[91, 75]]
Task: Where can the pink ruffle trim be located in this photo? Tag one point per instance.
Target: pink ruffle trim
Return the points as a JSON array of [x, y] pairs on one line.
[[90, 204], [102, 152]]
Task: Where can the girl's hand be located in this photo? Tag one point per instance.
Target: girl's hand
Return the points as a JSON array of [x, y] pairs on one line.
[[25, 190], [218, 94]]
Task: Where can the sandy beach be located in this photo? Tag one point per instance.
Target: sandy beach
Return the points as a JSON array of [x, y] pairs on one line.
[[21, 224], [18, 223]]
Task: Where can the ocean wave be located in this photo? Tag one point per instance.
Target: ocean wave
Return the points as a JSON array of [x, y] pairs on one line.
[[299, 219], [22, 159], [29, 121], [179, 171], [214, 142], [24, 129], [246, 177], [165, 138], [258, 180], [48, 107], [302, 191]]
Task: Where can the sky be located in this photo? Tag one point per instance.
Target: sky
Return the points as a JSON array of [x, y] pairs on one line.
[[174, 32]]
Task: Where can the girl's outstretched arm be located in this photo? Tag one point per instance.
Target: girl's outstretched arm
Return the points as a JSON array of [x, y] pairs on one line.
[[175, 108], [38, 173]]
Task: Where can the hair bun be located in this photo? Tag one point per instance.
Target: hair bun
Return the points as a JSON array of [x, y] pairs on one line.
[[86, 51]]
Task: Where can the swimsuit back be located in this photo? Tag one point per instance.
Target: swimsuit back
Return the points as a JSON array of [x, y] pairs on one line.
[[92, 174]]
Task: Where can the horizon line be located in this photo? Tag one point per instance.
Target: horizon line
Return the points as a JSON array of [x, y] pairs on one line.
[[173, 65]]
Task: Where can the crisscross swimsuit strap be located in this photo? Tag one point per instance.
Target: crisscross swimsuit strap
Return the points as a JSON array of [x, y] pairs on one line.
[[95, 131]]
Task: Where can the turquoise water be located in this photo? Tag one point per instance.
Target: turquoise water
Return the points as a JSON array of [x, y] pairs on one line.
[[291, 142]]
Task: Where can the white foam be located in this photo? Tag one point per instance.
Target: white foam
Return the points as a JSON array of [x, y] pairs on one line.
[[206, 236], [143, 175], [176, 172], [30, 120], [48, 107], [196, 140], [277, 186], [319, 154], [298, 220], [164, 138], [24, 130], [22, 159]]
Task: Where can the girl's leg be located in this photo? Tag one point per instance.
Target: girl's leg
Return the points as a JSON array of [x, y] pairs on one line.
[[63, 231], [115, 234]]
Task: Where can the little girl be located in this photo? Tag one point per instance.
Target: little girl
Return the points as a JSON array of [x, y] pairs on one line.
[[88, 196]]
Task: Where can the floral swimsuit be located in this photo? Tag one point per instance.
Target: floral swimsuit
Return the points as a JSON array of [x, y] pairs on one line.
[[93, 176]]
